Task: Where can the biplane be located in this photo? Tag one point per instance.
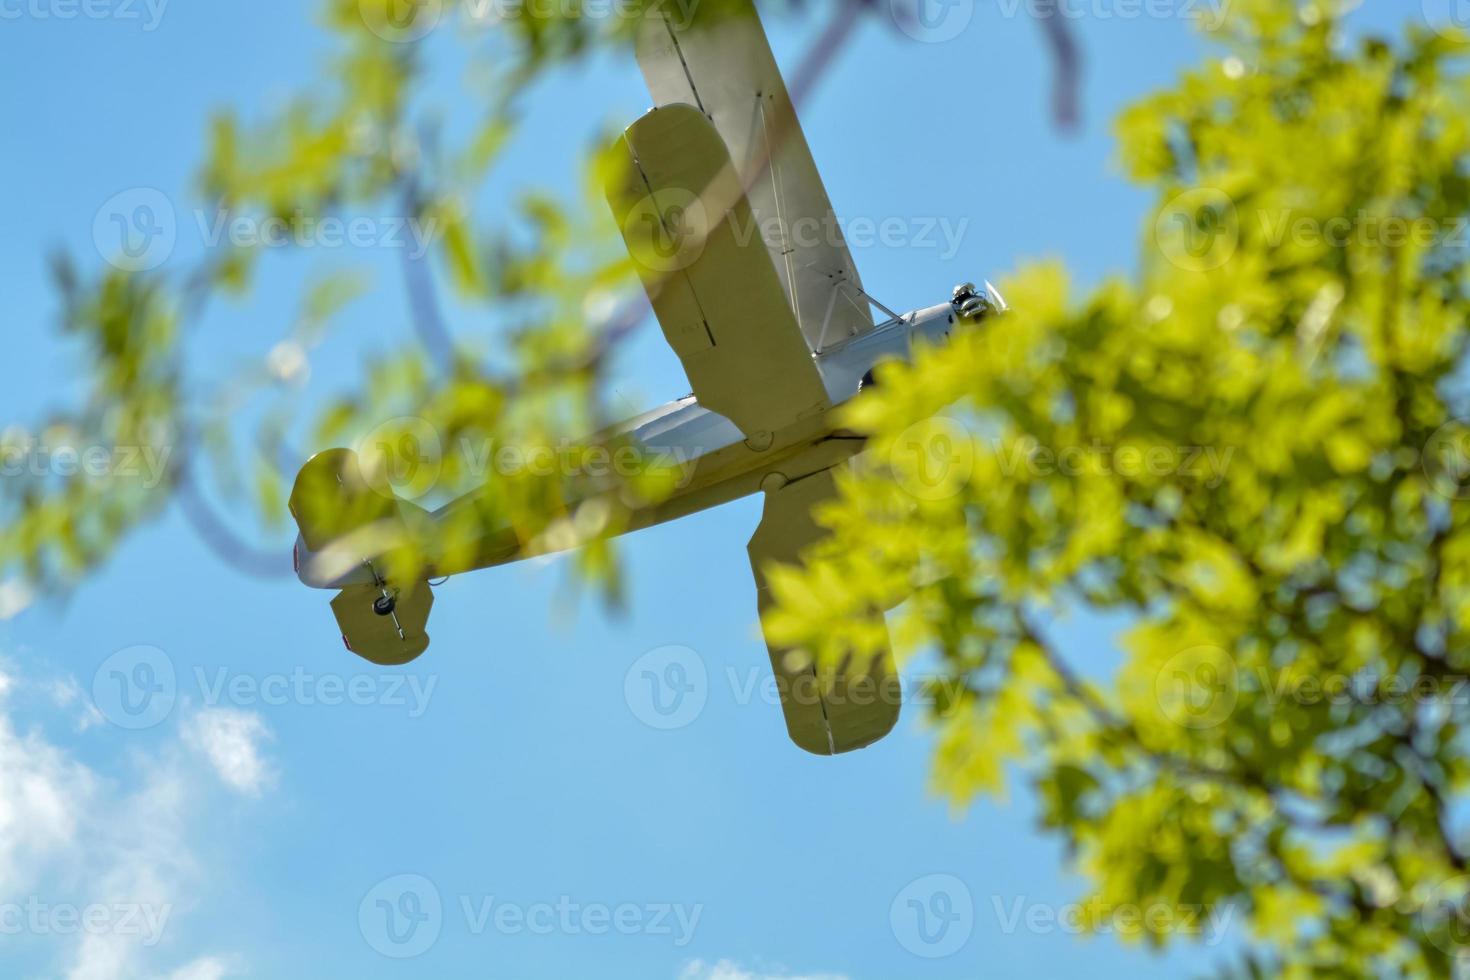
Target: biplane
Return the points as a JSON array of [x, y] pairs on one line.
[[743, 261]]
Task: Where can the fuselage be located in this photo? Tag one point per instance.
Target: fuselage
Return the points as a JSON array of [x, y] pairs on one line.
[[716, 463]]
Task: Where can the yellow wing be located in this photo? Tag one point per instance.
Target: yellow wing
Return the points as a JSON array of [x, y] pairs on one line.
[[832, 709], [716, 57], [716, 294]]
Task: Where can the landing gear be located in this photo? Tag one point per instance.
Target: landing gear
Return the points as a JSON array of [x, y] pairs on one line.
[[384, 604]]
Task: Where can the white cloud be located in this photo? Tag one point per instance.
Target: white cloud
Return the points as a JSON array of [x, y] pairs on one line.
[[42, 794], [15, 595], [66, 693], [727, 970], [119, 844], [231, 739], [209, 968]]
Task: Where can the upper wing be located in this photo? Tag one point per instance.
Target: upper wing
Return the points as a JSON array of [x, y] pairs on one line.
[[717, 59], [828, 709], [679, 203]]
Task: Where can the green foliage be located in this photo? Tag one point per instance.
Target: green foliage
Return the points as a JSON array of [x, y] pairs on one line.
[[1251, 451], [357, 144]]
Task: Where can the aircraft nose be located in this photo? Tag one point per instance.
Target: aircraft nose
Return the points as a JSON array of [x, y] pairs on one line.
[[972, 304]]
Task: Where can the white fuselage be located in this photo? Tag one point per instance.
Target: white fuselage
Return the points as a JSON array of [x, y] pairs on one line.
[[717, 463]]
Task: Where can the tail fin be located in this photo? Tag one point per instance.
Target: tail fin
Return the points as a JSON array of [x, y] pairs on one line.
[[353, 525]]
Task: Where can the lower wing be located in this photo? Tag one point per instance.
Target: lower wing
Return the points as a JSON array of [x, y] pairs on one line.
[[829, 708]]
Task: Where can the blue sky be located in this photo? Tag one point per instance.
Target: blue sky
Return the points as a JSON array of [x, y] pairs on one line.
[[507, 792]]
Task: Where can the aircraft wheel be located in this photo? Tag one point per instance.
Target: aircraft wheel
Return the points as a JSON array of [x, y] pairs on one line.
[[384, 605]]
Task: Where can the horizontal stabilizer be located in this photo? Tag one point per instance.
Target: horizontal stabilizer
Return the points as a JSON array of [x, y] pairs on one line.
[[360, 532], [382, 626]]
